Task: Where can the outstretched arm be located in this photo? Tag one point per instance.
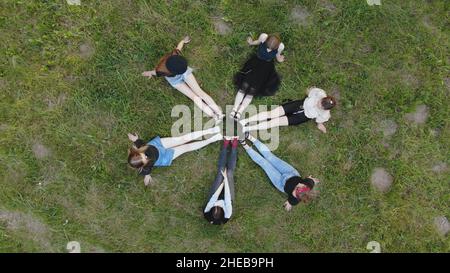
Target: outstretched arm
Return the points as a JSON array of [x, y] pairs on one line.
[[149, 73], [228, 209], [287, 206], [185, 40], [148, 180], [212, 200], [321, 127], [280, 58], [261, 39], [138, 143], [220, 166]]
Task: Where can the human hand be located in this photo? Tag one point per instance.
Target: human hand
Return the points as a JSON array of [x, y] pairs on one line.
[[186, 39], [148, 180], [280, 58], [287, 206], [148, 74], [316, 180], [249, 40], [322, 128], [132, 137]]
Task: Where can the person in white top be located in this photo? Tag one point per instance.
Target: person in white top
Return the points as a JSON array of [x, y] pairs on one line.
[[316, 106], [219, 207]]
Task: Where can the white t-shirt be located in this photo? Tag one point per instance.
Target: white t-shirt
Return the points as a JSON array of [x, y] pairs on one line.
[[312, 109]]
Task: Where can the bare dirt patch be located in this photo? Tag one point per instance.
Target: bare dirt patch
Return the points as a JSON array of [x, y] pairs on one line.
[[442, 225], [297, 146], [221, 27], [435, 132], [366, 49], [348, 164], [56, 102], [447, 83], [70, 78], [87, 50], [3, 127], [301, 16], [381, 180], [426, 21], [410, 80], [388, 127], [328, 6], [440, 167], [336, 93], [419, 116], [40, 151], [3, 83], [34, 229], [347, 124]]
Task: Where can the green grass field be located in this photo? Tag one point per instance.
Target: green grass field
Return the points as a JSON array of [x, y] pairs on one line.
[[71, 89]]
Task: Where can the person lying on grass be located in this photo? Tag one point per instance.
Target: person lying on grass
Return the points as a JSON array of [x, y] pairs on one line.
[[316, 105], [219, 208], [175, 69], [282, 175], [258, 77], [160, 152]]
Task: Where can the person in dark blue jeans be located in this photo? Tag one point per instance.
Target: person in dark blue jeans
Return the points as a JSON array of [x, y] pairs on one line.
[[283, 176], [219, 207]]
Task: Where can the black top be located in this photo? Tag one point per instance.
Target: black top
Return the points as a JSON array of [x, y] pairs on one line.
[[152, 155], [289, 187]]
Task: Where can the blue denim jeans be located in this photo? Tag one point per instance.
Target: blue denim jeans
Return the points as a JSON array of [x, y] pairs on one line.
[[276, 169], [177, 79], [165, 155], [227, 159]]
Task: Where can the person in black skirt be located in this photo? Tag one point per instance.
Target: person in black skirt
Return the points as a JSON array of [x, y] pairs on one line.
[[258, 76]]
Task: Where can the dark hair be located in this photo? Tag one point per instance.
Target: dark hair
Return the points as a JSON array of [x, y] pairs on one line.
[[308, 182], [328, 102], [273, 41], [215, 216], [135, 158], [176, 64]]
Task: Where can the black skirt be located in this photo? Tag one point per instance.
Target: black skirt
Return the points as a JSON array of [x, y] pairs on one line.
[[258, 78]]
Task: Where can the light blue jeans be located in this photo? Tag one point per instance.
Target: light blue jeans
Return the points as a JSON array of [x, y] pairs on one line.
[[276, 169], [177, 79]]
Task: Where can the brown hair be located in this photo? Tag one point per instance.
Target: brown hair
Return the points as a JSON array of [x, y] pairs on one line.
[[328, 102], [308, 196], [273, 41], [134, 157]]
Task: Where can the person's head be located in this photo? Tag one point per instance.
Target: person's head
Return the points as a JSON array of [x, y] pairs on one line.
[[176, 64], [137, 158], [215, 216], [328, 102], [273, 41], [303, 190]]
